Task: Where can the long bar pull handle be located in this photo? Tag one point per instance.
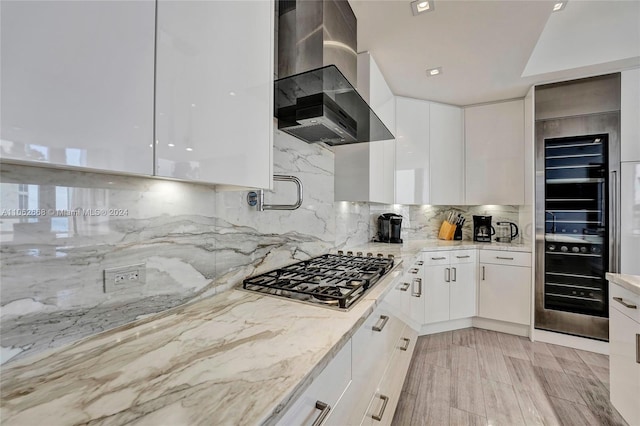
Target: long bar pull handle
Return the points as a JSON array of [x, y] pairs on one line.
[[419, 263], [638, 348], [455, 274], [483, 273], [504, 258], [407, 342], [257, 198], [405, 286], [324, 412], [384, 399], [463, 257], [447, 275], [414, 271], [614, 222], [438, 258], [379, 326], [625, 304]]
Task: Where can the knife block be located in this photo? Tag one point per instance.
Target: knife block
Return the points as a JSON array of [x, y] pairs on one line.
[[447, 231], [457, 235]]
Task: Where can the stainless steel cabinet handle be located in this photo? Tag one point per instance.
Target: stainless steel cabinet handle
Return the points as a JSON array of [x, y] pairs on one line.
[[405, 286], [407, 343], [381, 323], [384, 399], [625, 304], [483, 273], [414, 271], [447, 275], [419, 263], [463, 257], [614, 222], [638, 348], [504, 258], [324, 412], [417, 293], [438, 258], [455, 274]]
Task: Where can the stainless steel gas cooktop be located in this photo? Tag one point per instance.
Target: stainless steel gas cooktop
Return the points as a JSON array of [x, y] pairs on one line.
[[332, 280]]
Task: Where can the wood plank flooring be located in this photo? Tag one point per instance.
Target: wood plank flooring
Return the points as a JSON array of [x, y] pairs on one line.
[[481, 377]]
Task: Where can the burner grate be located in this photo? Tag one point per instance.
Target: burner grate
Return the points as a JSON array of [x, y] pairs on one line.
[[334, 280]]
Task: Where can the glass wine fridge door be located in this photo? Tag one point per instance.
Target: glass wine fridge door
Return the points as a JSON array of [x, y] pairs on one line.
[[576, 234]]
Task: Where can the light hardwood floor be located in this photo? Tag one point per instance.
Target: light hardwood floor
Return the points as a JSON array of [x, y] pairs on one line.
[[480, 377]]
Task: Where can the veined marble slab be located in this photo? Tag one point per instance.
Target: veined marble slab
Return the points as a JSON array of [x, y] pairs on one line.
[[237, 358], [630, 282]]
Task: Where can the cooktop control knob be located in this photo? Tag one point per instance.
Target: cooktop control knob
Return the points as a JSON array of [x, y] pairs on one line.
[[390, 256], [369, 254], [583, 249], [551, 247], [340, 252], [564, 249], [380, 255], [575, 249], [349, 253], [359, 254]]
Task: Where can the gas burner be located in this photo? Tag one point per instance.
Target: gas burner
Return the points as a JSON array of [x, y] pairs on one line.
[[328, 280]]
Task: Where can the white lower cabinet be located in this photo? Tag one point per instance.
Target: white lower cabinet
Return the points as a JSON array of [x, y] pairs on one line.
[[320, 398], [504, 290], [450, 285], [624, 352]]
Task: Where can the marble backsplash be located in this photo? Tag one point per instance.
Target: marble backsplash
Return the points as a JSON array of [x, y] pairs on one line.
[[195, 241]]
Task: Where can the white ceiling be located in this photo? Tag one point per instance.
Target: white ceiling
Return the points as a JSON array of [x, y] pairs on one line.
[[483, 47]]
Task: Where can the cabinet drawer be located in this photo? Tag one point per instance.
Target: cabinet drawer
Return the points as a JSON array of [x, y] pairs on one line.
[[463, 256], [432, 258], [624, 301], [500, 257], [384, 401], [326, 389]]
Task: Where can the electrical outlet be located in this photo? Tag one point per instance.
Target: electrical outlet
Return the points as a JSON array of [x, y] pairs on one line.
[[124, 276]]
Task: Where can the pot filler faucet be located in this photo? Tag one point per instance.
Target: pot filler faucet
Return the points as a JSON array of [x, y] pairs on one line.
[[257, 198]]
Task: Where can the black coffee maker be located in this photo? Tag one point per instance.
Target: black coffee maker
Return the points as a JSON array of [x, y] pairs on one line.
[[389, 228], [482, 229]]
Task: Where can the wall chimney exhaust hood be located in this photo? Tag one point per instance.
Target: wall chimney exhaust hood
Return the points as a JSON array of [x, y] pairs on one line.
[[315, 98]]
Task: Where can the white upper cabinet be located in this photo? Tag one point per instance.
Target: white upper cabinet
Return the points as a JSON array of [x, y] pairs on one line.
[[494, 153], [446, 155], [412, 151], [77, 83], [629, 115], [365, 171], [214, 91]]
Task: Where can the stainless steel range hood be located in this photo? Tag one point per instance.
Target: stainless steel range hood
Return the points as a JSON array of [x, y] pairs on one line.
[[315, 97]]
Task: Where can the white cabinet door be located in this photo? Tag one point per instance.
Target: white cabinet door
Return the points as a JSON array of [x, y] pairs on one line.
[[624, 371], [412, 151], [630, 218], [77, 83], [504, 293], [446, 155], [214, 91], [494, 153], [462, 294], [629, 113], [436, 293], [324, 393]]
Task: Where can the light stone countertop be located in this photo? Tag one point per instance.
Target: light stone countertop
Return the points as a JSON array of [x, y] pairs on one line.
[[234, 358], [630, 282]]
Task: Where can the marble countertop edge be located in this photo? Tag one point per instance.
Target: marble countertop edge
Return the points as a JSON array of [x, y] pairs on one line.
[[630, 282]]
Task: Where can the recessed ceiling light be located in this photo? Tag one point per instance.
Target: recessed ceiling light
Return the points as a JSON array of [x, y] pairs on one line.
[[189, 149], [419, 6], [171, 145], [559, 6], [434, 71]]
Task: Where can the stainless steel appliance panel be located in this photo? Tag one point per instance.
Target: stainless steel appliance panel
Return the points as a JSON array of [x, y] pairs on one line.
[[565, 239]]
